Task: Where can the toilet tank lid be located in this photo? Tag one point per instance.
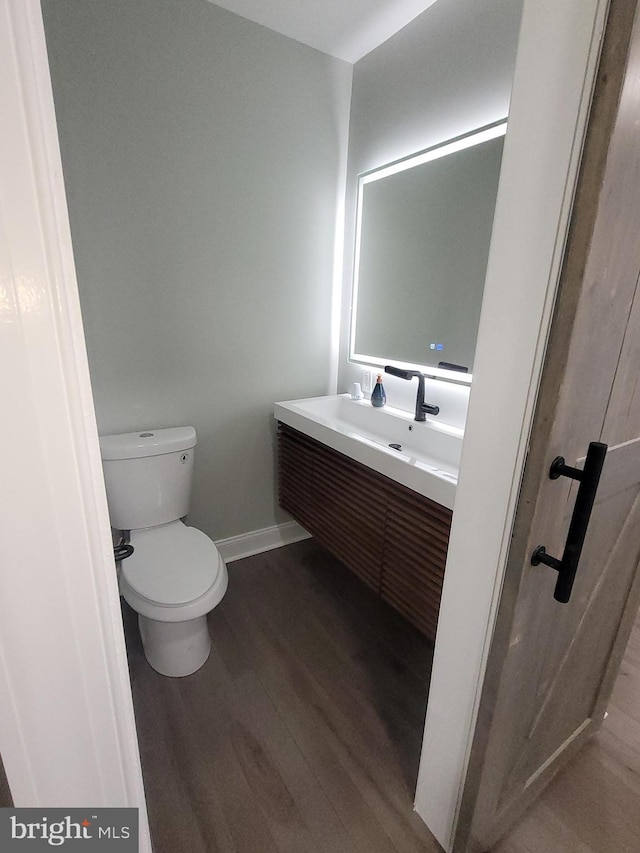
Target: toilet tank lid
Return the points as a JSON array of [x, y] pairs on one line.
[[147, 442]]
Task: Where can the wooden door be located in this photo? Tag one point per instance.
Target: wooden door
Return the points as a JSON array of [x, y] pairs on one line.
[[552, 665]]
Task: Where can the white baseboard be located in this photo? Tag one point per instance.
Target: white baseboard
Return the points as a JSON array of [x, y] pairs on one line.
[[257, 541]]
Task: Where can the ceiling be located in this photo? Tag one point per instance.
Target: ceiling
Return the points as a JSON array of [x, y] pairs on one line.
[[346, 29]]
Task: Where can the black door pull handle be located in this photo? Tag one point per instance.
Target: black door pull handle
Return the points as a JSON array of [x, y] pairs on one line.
[[589, 478]]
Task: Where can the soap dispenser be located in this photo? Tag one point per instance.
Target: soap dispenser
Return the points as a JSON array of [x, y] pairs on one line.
[[378, 396]]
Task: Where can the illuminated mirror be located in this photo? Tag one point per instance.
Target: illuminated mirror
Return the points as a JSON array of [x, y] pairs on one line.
[[422, 241]]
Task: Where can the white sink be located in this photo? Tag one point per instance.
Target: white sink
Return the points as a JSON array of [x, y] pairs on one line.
[[429, 455]]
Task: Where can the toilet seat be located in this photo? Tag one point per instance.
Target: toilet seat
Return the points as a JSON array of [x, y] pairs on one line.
[[175, 573], [171, 564]]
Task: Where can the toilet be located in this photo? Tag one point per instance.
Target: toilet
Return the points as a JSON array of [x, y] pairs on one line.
[[175, 574]]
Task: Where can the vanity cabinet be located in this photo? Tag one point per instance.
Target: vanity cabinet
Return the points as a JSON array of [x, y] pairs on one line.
[[394, 539]]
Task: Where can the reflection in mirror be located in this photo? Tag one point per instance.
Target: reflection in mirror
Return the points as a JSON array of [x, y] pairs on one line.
[[422, 242]]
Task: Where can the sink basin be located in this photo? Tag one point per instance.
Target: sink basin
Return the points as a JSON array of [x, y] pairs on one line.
[[426, 457]]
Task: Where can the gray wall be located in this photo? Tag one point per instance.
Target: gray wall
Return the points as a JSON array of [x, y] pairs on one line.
[[447, 72], [201, 156]]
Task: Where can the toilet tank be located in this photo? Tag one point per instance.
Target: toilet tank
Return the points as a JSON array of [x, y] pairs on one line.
[[148, 476]]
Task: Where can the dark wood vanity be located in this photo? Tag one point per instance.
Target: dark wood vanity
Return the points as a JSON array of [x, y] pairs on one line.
[[393, 538]]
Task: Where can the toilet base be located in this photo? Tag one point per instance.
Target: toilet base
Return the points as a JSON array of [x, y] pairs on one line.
[[175, 648]]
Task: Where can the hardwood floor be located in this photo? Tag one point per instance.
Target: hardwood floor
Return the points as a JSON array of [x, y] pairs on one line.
[[593, 806], [302, 731], [6, 800]]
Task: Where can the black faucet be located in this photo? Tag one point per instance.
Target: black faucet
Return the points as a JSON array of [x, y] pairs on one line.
[[422, 409]]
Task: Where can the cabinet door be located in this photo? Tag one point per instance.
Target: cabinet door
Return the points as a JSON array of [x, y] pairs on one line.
[[337, 500], [417, 537], [394, 539]]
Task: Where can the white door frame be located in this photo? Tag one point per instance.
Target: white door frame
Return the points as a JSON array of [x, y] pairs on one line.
[[555, 71], [67, 730]]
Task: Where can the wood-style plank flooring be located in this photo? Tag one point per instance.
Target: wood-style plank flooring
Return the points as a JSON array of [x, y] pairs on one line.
[[302, 731], [6, 800]]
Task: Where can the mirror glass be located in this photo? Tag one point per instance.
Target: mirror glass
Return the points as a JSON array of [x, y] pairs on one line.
[[422, 243]]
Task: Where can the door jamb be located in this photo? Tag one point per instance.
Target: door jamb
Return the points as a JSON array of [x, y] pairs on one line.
[[67, 728], [555, 72]]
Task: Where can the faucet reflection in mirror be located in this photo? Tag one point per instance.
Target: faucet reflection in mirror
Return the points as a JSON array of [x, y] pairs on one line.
[[423, 231]]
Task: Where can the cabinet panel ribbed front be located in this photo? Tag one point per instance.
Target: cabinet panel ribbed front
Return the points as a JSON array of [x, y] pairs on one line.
[[391, 537], [327, 493]]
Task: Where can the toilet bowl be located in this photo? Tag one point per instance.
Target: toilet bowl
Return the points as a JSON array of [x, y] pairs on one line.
[[175, 574], [174, 577]]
